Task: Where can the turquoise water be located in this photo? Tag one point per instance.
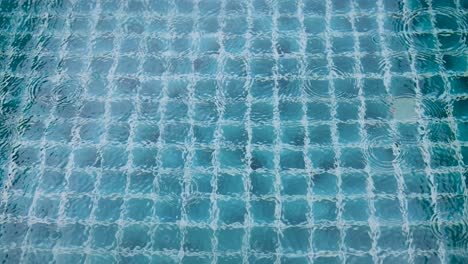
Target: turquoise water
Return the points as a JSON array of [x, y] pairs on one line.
[[244, 131]]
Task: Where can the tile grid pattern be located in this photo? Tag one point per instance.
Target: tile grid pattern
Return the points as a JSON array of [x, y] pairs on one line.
[[9, 165], [32, 212], [448, 87], [453, 129], [216, 212], [46, 150], [426, 152]]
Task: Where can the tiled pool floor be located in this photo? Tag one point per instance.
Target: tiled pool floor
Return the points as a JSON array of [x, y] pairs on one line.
[[234, 131]]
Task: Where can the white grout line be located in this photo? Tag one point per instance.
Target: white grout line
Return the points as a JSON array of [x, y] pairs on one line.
[[248, 148], [305, 123], [277, 132], [422, 129], [171, 253], [374, 225], [457, 142], [190, 147], [311, 76], [334, 130], [396, 166], [134, 123], [77, 122], [112, 82], [214, 210], [453, 127], [163, 101]]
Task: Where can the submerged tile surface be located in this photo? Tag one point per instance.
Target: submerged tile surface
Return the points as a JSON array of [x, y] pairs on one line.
[[246, 131]]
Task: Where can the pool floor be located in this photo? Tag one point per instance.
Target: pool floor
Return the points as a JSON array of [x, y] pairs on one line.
[[234, 131]]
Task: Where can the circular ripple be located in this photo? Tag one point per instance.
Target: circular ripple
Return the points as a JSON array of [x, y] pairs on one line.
[[454, 234], [344, 88], [67, 92], [417, 30], [39, 88], [5, 131], [318, 71], [316, 88], [382, 64], [433, 109], [423, 57], [381, 157], [326, 71]]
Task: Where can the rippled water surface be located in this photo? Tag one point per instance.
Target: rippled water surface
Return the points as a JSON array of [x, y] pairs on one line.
[[243, 131]]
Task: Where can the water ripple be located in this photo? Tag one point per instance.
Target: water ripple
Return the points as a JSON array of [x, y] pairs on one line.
[[344, 88], [68, 92], [434, 109], [455, 234], [417, 29], [381, 157]]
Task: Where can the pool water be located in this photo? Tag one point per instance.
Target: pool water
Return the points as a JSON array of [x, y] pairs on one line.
[[234, 131]]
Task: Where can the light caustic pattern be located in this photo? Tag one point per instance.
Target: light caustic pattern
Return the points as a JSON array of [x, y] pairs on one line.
[[246, 131]]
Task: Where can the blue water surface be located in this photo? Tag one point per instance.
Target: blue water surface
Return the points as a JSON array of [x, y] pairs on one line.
[[234, 131]]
